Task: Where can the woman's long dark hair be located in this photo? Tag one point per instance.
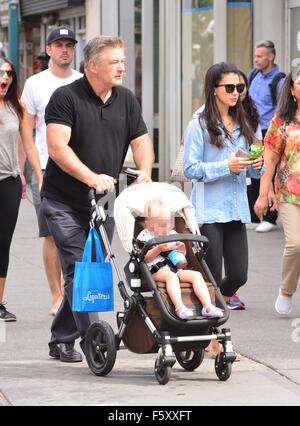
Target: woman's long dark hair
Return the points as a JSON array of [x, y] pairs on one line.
[[286, 105], [211, 115], [250, 107], [12, 97]]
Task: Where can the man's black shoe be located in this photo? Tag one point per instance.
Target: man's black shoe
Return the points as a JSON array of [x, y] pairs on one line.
[[54, 352], [68, 353]]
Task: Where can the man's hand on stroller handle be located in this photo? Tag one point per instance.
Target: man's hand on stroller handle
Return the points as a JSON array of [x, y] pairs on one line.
[[142, 176], [104, 183]]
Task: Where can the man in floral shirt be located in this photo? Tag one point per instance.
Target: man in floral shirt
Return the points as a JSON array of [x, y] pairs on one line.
[[282, 152]]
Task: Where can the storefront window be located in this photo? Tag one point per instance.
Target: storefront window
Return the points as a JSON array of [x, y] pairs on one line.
[[138, 49], [197, 52], [295, 37], [139, 27], [240, 33]]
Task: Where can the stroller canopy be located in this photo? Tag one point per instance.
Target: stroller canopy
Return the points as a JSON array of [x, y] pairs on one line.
[[132, 200]]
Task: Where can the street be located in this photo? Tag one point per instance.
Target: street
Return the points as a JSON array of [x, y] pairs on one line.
[[268, 374]]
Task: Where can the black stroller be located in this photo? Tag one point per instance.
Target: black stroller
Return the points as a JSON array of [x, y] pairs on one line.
[[148, 323]]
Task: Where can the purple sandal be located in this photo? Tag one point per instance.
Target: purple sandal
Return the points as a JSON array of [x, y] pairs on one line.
[[184, 313], [214, 312]]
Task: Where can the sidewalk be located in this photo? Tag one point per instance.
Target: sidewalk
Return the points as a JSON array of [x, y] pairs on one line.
[[268, 375]]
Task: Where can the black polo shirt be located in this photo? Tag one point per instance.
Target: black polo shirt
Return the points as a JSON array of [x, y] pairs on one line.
[[101, 135]]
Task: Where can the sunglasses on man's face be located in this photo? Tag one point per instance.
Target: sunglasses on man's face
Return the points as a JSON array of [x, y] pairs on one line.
[[9, 73], [230, 88]]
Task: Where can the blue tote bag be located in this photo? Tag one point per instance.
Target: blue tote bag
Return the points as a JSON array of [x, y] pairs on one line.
[[93, 281]]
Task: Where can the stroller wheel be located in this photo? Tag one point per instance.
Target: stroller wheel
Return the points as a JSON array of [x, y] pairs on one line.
[[162, 372], [223, 367], [190, 360], [100, 348]]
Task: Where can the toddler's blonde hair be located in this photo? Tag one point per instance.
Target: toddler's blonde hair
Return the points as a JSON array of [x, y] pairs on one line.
[[158, 208]]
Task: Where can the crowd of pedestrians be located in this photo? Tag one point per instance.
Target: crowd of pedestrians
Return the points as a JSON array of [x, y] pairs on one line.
[[68, 113]]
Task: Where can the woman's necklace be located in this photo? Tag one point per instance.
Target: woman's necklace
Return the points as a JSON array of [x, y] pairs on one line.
[[228, 124]]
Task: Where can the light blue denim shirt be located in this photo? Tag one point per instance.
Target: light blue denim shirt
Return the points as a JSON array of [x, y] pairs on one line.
[[218, 196]]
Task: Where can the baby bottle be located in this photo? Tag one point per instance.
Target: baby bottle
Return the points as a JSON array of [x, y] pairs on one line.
[[177, 259]]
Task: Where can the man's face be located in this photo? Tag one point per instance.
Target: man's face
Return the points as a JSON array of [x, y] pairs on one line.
[[263, 58], [61, 52], [110, 68]]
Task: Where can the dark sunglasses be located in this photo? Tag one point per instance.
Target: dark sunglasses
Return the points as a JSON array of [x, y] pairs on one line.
[[231, 87], [9, 73]]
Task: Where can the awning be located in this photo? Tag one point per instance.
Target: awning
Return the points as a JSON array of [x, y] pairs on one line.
[[38, 7]]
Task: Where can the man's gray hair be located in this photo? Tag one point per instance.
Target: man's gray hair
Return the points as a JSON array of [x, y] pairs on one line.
[[95, 47], [268, 44]]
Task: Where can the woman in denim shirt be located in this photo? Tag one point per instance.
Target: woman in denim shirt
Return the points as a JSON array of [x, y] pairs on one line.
[[215, 159]]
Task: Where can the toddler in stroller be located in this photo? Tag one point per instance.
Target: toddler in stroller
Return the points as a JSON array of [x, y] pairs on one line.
[[149, 322], [167, 261]]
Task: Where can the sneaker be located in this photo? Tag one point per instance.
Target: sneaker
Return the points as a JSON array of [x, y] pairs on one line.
[[283, 305], [234, 305], [265, 227], [6, 316], [236, 300]]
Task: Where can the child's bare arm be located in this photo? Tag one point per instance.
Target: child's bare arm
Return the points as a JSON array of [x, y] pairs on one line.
[[156, 251], [180, 246]]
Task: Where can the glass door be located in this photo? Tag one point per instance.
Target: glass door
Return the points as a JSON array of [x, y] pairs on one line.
[[139, 27], [294, 33], [197, 52]]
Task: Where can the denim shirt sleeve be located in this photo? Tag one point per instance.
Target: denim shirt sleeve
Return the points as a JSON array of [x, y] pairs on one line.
[[194, 164]]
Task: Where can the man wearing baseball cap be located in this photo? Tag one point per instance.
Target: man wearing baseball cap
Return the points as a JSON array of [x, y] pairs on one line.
[[61, 33], [38, 89]]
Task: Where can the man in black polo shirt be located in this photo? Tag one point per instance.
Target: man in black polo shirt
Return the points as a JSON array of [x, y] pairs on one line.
[[90, 125]]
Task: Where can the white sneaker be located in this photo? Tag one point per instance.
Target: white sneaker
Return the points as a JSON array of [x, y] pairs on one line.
[[265, 227], [283, 305]]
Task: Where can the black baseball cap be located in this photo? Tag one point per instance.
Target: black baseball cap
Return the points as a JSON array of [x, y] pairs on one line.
[[59, 33]]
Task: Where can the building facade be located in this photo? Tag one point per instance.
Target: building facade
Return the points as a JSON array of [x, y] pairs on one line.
[[37, 18], [170, 45]]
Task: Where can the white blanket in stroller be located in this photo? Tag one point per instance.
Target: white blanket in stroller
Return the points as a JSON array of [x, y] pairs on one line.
[[132, 200]]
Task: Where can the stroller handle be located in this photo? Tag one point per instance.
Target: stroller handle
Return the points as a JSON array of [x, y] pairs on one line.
[[92, 195], [131, 177], [203, 241]]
